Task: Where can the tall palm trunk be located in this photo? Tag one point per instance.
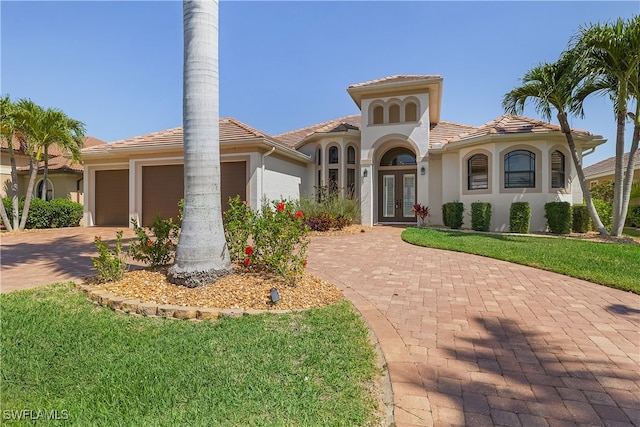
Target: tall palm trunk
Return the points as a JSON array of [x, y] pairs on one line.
[[618, 221], [33, 172], [202, 254], [14, 193], [45, 184], [566, 129]]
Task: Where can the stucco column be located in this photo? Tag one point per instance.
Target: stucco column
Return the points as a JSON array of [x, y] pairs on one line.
[[366, 193]]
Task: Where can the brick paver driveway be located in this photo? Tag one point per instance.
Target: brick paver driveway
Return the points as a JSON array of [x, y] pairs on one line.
[[467, 340], [474, 341]]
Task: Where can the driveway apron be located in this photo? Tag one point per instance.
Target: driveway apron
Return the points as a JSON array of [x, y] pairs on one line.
[[474, 341]]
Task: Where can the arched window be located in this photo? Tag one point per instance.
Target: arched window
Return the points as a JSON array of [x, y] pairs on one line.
[[394, 113], [558, 179], [398, 157], [378, 115], [351, 156], [38, 191], [334, 157], [351, 173], [478, 172], [520, 169], [411, 112]]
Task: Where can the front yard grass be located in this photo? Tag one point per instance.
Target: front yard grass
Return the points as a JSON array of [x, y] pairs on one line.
[[614, 265], [62, 353]]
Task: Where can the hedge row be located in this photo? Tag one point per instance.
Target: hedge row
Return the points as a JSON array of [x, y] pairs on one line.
[[53, 214]]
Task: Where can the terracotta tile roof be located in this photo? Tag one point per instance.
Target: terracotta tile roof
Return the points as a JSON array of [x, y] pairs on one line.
[[442, 132], [398, 78], [607, 166], [59, 163], [89, 141], [510, 124], [230, 130], [341, 124]]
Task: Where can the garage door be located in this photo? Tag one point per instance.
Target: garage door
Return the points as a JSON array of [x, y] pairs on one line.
[[233, 181], [112, 197], [162, 189]]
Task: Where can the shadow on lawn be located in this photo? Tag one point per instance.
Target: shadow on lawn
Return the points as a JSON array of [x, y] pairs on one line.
[[504, 374]]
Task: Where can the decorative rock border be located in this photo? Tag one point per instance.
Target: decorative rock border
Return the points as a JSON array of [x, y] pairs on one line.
[[147, 309]]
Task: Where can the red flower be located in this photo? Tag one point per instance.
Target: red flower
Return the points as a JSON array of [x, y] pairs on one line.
[[299, 214], [281, 207], [247, 261], [248, 250], [304, 263], [149, 243]]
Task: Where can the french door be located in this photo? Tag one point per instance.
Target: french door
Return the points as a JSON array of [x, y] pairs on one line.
[[396, 195]]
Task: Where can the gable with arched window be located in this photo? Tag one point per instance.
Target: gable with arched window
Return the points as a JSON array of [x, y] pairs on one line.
[[410, 112], [378, 115]]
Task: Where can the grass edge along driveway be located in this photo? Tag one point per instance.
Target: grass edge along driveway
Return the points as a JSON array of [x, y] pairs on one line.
[[610, 264], [97, 367]]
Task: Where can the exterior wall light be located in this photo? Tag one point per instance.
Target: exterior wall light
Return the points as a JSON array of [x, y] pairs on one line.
[[365, 173], [422, 170]]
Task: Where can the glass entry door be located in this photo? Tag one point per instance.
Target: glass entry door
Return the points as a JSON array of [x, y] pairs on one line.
[[396, 196]]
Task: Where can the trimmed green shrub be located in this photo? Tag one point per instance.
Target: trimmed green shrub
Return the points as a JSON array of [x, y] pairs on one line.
[[605, 212], [559, 217], [445, 218], [65, 213], [42, 214], [633, 216], [603, 191], [452, 214], [581, 219], [481, 216], [519, 217]]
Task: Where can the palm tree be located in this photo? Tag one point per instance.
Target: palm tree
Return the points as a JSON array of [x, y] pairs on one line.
[[8, 130], [37, 129], [551, 86], [65, 133], [611, 54], [201, 255]]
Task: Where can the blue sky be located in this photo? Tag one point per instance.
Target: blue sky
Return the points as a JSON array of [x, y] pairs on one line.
[[117, 66]]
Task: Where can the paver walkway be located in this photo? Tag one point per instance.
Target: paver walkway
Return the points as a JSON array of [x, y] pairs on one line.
[[478, 342], [467, 340]]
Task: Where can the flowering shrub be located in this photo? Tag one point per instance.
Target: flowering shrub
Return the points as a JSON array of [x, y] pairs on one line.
[[277, 234], [110, 263], [159, 248]]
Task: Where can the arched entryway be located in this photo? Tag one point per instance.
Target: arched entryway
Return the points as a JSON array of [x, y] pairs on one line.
[[397, 186]]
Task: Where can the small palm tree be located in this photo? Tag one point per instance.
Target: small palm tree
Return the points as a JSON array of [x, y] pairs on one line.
[[611, 54], [8, 130], [201, 255], [551, 87]]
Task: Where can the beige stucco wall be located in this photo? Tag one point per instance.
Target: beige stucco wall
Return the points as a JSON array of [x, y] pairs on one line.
[[271, 175], [5, 172], [454, 182]]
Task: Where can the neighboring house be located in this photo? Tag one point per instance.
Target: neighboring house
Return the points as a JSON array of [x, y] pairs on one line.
[[605, 171], [395, 154], [64, 180]]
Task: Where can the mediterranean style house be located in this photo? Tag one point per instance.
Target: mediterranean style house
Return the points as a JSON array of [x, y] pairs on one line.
[[394, 154], [64, 177]]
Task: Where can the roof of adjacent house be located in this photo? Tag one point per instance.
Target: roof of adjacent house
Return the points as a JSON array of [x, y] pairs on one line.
[[607, 166], [398, 78], [58, 162], [231, 131]]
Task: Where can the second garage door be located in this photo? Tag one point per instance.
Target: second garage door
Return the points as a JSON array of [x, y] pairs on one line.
[[163, 187]]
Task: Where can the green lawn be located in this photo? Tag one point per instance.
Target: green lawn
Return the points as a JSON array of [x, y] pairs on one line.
[[631, 232], [609, 264], [99, 368]]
